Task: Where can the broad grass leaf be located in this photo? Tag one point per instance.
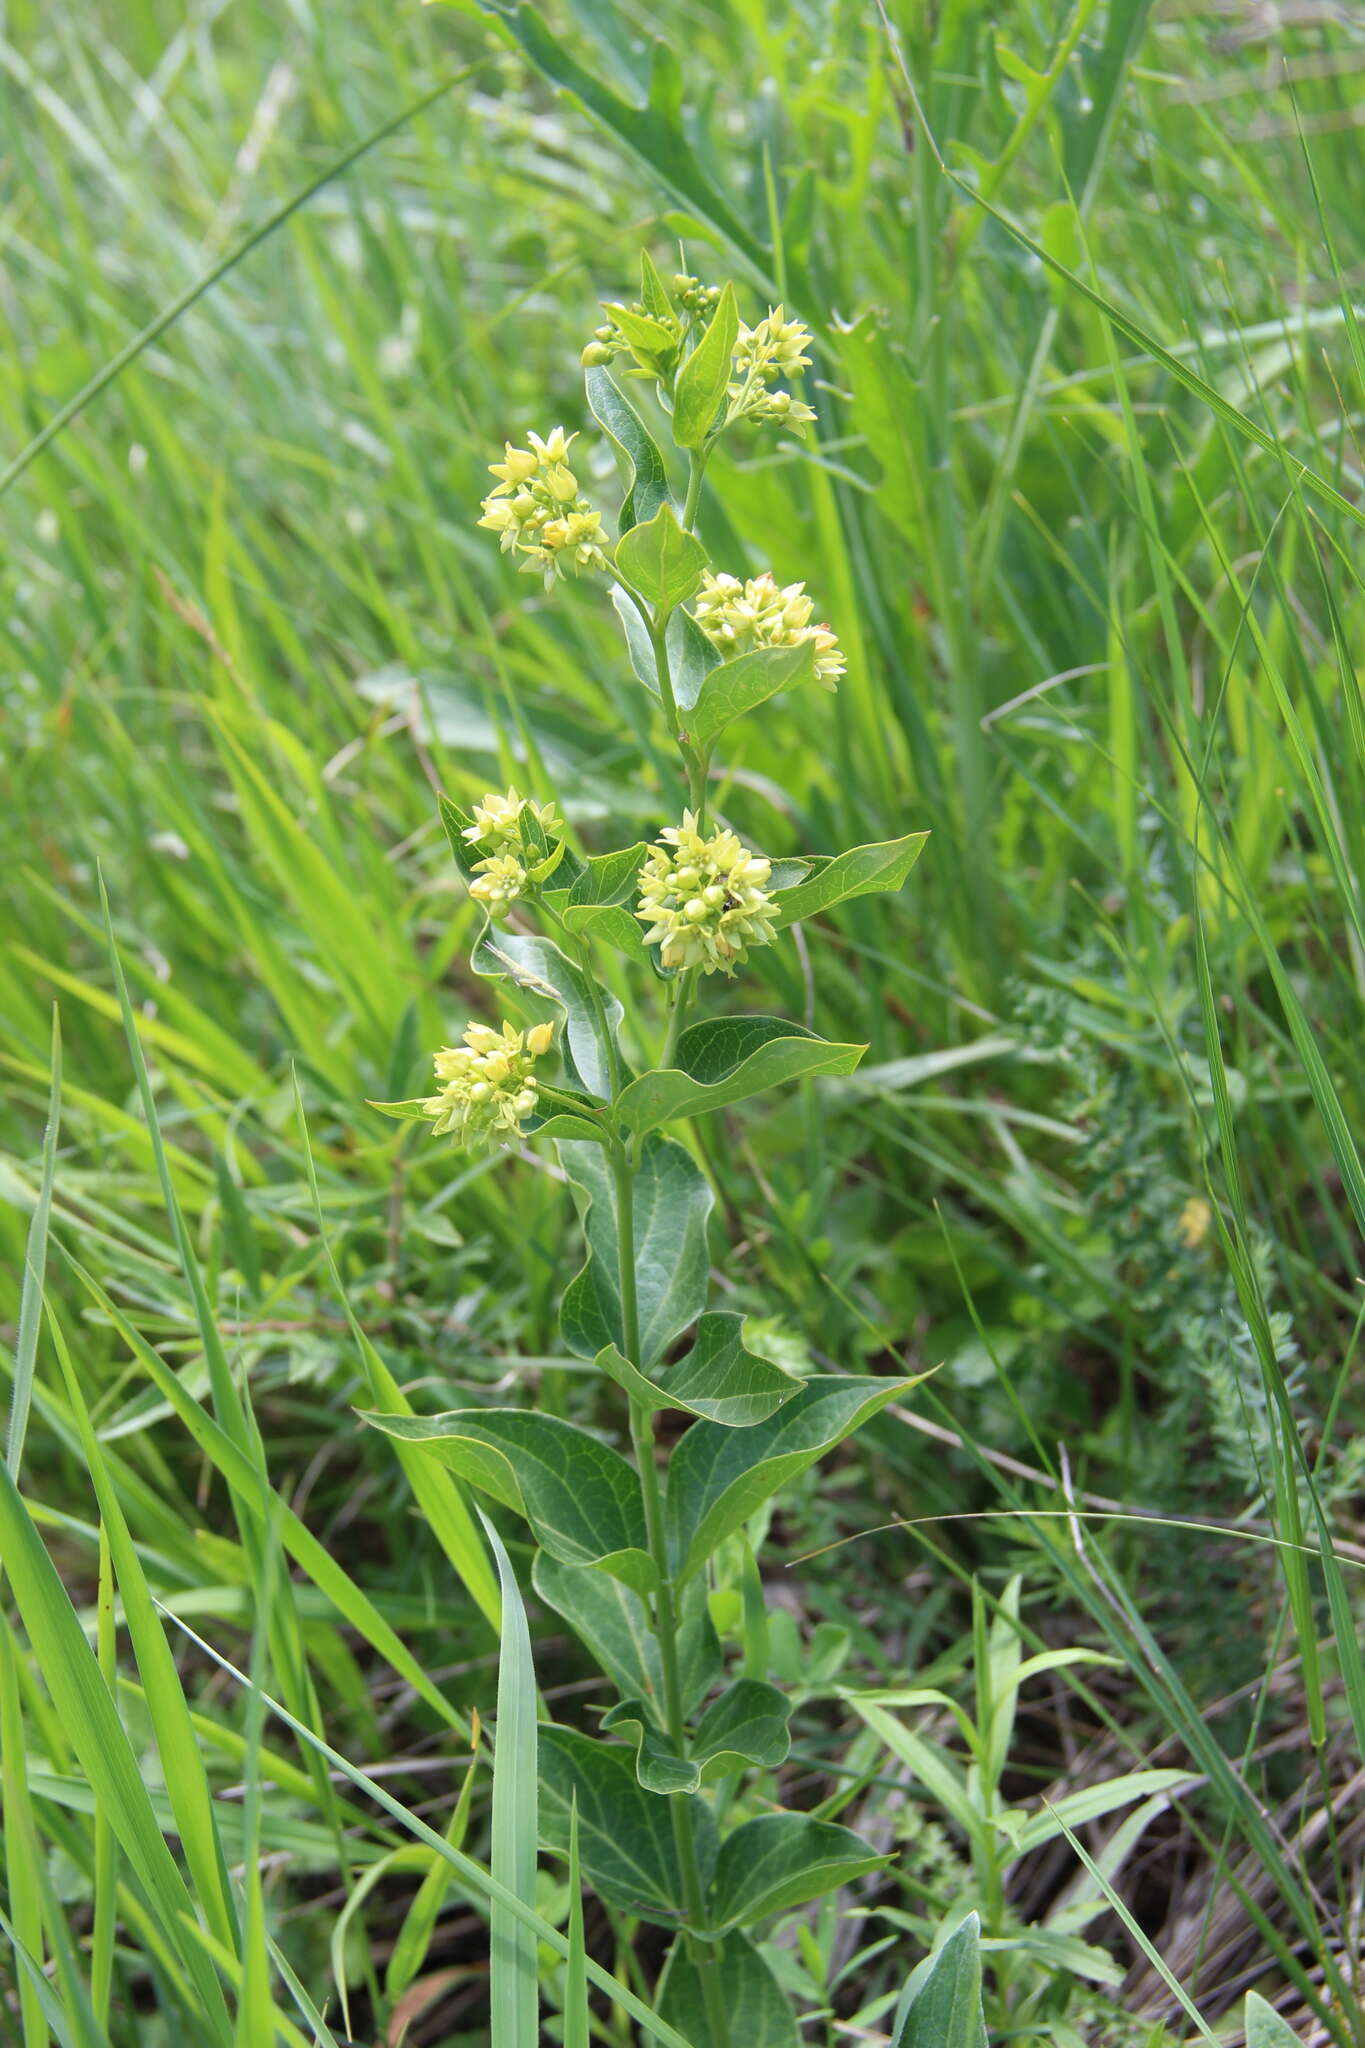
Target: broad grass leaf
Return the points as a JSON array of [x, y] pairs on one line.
[[540, 969], [741, 685], [613, 1624], [860, 872], [718, 1380], [726, 1059], [746, 1724], [580, 1497], [660, 560], [513, 1975], [701, 382], [646, 478], [760, 2014], [941, 2005], [779, 1861], [671, 1202], [719, 1476], [625, 1834]]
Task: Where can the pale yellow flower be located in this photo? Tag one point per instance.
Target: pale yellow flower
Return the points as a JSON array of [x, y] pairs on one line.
[[536, 508], [488, 1084], [736, 617], [705, 900]]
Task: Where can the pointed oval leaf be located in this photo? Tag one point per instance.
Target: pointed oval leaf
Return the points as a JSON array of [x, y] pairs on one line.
[[701, 382], [642, 465], [537, 966], [727, 1059], [760, 2012], [941, 2005], [746, 1725], [625, 1834], [614, 1625], [661, 560], [779, 1861], [580, 1497], [691, 657], [719, 1476], [718, 1380], [671, 1203], [743, 684], [1264, 2027], [862, 871], [602, 899]]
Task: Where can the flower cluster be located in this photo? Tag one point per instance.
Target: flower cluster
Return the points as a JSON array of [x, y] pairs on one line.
[[497, 820], [536, 508], [736, 617], [704, 900], [498, 882], [775, 348], [488, 1084]]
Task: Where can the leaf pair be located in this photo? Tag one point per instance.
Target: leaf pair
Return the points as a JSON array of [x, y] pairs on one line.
[[746, 1724]]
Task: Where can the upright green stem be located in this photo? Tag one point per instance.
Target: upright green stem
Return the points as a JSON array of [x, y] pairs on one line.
[[696, 471], [704, 1953]]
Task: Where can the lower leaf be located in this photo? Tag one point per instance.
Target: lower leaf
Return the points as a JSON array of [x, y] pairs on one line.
[[779, 1861], [760, 2015], [625, 1834]]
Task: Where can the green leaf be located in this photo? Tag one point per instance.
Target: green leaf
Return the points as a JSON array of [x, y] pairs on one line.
[[538, 967], [860, 872], [737, 686], [654, 295], [454, 821], [35, 1262], [600, 903], [718, 1380], [410, 1112], [1092, 1802], [700, 387], [941, 2005], [580, 1497], [646, 478], [691, 657], [759, 2010], [513, 1975], [653, 343], [671, 1202], [719, 1476], [625, 1834], [614, 1625], [746, 1725], [726, 1059], [779, 1861], [661, 561], [1264, 2027]]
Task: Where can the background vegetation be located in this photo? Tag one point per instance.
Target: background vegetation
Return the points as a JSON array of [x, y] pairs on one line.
[[1085, 505]]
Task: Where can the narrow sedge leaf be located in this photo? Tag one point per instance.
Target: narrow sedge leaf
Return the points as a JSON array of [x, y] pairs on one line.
[[718, 1380], [741, 685], [577, 2021], [861, 872], [723, 1060], [580, 1497], [660, 560], [779, 1861], [941, 2005], [759, 2010], [35, 1263], [701, 382], [513, 1981]]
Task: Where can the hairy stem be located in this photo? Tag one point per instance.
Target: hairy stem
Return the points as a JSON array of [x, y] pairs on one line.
[[704, 1954]]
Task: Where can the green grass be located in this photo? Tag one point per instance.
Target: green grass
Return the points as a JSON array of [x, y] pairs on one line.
[[1085, 509]]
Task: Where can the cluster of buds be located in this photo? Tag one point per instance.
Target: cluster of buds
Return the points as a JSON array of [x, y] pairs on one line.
[[775, 348], [705, 901], [696, 298], [497, 820], [488, 1084], [736, 617], [537, 509]]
